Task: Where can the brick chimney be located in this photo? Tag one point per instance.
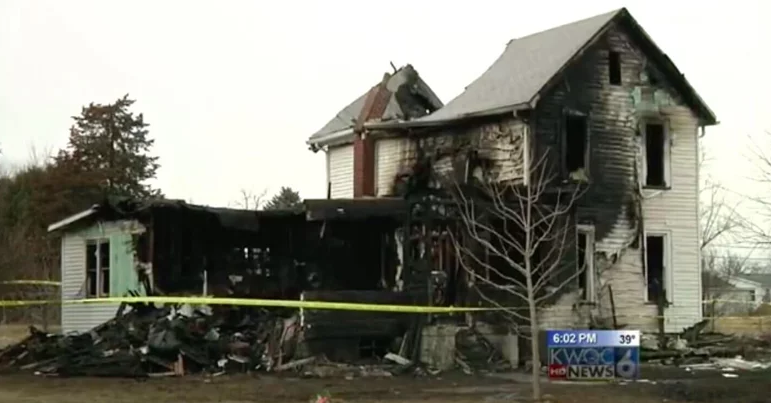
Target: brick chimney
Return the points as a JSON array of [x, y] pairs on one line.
[[363, 145]]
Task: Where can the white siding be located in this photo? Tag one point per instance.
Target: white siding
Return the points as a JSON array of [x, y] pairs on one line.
[[676, 211], [390, 154], [340, 171], [81, 317]]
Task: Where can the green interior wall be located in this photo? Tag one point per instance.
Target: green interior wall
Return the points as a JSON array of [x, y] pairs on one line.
[[123, 275]]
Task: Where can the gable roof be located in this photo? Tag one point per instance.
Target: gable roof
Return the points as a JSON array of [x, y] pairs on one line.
[[763, 280], [528, 65], [410, 97]]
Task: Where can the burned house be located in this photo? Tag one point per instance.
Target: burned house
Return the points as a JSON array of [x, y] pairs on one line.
[[609, 111], [172, 248]]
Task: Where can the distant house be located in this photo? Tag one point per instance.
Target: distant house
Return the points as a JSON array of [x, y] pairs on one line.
[[609, 110], [741, 294]]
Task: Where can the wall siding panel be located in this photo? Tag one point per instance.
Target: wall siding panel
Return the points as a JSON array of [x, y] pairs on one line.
[[81, 317], [340, 175], [389, 156]]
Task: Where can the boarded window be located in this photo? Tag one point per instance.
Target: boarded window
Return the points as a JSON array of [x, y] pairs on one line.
[[656, 158], [655, 266], [98, 268], [576, 143], [614, 68]]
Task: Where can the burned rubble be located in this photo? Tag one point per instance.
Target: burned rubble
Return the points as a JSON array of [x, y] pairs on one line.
[[143, 340], [316, 253], [696, 348], [148, 341]]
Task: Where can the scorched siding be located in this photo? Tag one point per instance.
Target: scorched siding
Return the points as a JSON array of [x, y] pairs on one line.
[[389, 152], [612, 202], [340, 171]]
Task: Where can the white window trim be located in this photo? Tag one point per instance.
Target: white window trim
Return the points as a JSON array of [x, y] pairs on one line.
[[376, 167], [98, 242], [589, 272], [667, 152], [328, 185], [667, 234], [526, 158]]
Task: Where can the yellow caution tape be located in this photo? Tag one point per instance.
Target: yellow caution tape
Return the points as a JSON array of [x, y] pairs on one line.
[[343, 306]]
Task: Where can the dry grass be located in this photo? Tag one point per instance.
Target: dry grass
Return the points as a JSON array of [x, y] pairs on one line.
[[10, 334], [743, 326], [241, 389]]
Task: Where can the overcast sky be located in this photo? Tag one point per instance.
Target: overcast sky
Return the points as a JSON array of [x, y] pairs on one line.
[[232, 89]]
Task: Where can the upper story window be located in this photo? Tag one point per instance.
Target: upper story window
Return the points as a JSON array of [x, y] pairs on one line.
[[656, 161], [575, 147], [614, 68]]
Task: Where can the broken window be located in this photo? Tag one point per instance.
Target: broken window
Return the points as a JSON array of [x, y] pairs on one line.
[[98, 268], [656, 259], [576, 146], [656, 155], [585, 261], [614, 68]]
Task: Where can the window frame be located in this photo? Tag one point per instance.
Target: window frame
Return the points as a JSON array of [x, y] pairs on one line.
[[667, 260], [589, 274], [666, 158], [563, 142], [99, 269]]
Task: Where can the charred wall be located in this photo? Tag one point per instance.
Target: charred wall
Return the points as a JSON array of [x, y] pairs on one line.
[[615, 201], [494, 146]]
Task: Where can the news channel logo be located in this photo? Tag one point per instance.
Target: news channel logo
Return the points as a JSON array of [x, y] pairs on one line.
[[594, 355]]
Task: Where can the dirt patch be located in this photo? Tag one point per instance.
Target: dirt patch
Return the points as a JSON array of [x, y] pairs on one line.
[[451, 388]]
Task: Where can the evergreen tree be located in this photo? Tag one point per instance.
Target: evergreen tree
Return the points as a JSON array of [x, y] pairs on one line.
[[111, 143], [286, 198]]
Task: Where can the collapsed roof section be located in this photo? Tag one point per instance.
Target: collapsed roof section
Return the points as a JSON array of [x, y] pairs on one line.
[[239, 219], [407, 97]]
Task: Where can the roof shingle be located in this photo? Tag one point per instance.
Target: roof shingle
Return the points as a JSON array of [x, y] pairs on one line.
[[523, 69]]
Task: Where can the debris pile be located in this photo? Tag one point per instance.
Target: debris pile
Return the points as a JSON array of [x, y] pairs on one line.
[[695, 349], [150, 341]]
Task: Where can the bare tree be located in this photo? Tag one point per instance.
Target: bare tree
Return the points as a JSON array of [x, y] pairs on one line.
[[514, 239], [719, 220], [718, 217], [760, 227], [250, 200]]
